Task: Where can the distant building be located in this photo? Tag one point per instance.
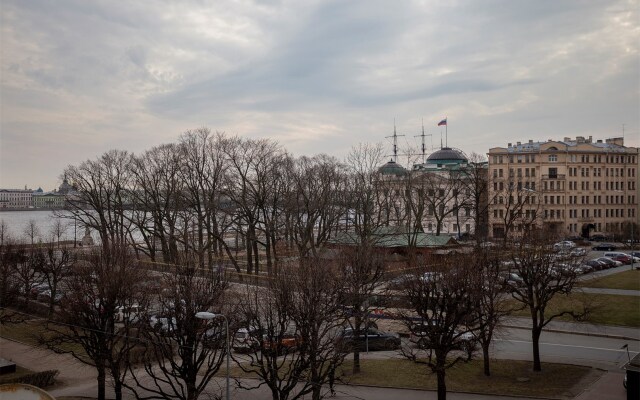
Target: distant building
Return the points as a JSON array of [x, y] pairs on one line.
[[53, 199], [15, 198], [436, 196], [48, 199], [568, 187]]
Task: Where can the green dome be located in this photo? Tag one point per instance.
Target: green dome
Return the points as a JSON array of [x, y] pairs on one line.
[[392, 168]]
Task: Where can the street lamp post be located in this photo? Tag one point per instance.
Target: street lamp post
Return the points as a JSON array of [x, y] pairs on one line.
[[209, 316]]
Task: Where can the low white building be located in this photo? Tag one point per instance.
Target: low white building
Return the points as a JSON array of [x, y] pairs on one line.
[[15, 198]]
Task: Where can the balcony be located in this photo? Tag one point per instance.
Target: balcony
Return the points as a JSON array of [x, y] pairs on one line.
[[556, 176]]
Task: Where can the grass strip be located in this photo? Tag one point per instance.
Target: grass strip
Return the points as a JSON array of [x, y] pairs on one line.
[[627, 280]]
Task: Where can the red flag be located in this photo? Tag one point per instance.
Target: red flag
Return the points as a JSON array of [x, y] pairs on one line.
[[443, 122]]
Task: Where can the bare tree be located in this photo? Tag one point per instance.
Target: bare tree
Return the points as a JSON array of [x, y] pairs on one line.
[[543, 280], [103, 195], [108, 285], [443, 299], [476, 189], [516, 207], [10, 256], [57, 265], [294, 322], [493, 302], [32, 232], [184, 352], [361, 270], [315, 204], [26, 265]]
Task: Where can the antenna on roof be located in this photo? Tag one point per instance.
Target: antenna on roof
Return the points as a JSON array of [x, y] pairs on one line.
[[395, 142], [424, 148]]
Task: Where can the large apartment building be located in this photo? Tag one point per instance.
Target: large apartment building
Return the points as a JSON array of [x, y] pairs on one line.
[[568, 187]]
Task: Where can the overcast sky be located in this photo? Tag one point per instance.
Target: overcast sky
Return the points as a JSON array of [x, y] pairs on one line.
[[79, 78]]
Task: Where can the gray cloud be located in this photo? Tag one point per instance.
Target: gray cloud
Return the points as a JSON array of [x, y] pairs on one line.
[[79, 78]]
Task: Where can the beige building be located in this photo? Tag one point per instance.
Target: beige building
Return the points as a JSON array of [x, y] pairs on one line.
[[568, 187]]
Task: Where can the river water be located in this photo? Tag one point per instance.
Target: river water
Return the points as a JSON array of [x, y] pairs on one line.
[[45, 220]]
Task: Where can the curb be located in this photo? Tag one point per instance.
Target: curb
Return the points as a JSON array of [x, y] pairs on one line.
[[595, 334]]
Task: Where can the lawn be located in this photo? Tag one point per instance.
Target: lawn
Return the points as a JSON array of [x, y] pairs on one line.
[[627, 280], [509, 377], [606, 309], [34, 333]]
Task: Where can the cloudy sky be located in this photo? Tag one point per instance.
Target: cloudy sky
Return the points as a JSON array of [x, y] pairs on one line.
[[81, 77]]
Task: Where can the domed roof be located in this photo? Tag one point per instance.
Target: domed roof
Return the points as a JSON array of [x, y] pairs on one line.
[[392, 168], [447, 154]]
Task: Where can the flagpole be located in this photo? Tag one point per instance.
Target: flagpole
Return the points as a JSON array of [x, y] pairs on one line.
[[446, 131]]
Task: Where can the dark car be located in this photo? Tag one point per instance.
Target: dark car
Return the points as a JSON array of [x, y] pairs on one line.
[[373, 338], [401, 282], [596, 265], [605, 247], [608, 262]]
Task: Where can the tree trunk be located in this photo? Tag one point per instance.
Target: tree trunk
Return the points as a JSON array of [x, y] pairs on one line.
[[356, 361], [535, 339], [118, 389], [442, 386], [101, 382], [485, 356]]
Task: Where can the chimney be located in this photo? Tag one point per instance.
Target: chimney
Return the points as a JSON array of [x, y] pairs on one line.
[[519, 143], [509, 145], [566, 139], [590, 139], [530, 141], [599, 141]]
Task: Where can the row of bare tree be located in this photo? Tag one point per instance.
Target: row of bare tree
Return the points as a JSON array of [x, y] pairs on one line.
[[140, 329], [250, 202]]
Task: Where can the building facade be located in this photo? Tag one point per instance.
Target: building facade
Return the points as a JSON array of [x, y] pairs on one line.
[[437, 196], [15, 198], [568, 187]]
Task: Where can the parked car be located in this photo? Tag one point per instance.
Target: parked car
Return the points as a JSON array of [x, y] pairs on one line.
[[400, 282], [585, 268], [375, 339], [162, 323], [618, 256], [605, 247], [281, 344], [611, 263], [567, 269], [596, 265], [635, 254], [512, 279], [38, 288], [564, 245], [45, 296], [578, 252], [127, 313], [245, 340]]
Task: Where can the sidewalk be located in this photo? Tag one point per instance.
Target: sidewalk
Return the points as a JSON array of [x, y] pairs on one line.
[[579, 328]]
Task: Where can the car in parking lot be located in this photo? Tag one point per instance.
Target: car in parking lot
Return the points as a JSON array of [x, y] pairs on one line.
[[596, 265], [610, 263], [246, 340], [619, 256], [564, 245], [371, 338], [605, 247], [578, 252]]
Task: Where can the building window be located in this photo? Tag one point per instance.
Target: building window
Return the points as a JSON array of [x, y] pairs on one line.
[[553, 158], [553, 173]]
